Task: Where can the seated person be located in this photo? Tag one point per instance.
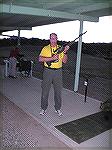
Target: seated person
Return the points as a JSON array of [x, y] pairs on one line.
[[12, 62]]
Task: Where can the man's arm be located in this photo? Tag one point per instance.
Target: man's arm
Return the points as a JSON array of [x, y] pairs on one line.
[[65, 57], [46, 59]]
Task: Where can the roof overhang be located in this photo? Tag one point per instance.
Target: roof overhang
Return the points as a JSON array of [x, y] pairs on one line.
[[25, 14]]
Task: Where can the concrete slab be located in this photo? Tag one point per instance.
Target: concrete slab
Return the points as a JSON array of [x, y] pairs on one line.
[[26, 93]]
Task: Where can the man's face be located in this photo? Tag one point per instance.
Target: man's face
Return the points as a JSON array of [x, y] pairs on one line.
[[53, 39]]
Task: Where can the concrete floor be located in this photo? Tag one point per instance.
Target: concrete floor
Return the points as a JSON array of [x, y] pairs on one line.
[[26, 94]]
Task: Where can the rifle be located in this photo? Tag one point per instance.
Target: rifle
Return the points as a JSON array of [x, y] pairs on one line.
[[61, 49]]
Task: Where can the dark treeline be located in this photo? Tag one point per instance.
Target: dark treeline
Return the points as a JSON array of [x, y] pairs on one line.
[[94, 49], [23, 41]]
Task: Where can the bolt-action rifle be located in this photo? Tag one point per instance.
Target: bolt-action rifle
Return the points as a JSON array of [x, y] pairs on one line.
[[61, 49]]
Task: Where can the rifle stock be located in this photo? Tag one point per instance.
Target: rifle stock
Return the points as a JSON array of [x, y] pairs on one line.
[[61, 49]]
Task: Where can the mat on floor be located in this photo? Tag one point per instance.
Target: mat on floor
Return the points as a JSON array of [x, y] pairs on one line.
[[87, 127]]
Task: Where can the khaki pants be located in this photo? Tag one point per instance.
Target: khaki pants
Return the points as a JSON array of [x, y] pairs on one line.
[[51, 77]]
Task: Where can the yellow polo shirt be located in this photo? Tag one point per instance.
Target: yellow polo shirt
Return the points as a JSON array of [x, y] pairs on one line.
[[48, 51]]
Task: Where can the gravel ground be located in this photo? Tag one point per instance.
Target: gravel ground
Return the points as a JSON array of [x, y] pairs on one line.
[[19, 130]]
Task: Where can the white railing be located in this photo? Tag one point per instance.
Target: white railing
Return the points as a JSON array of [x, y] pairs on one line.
[[6, 68]]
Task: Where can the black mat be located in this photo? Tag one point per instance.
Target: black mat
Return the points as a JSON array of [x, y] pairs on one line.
[[88, 127]]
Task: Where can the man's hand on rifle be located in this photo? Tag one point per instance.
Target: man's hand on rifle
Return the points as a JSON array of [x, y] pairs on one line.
[[66, 49], [55, 57]]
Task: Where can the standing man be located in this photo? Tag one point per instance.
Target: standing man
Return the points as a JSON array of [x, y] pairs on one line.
[[52, 73]]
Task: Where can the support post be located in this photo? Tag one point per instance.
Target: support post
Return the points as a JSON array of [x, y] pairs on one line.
[[31, 68], [18, 42], [77, 71]]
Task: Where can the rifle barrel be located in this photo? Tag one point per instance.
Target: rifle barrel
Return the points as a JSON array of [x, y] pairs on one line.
[[72, 42]]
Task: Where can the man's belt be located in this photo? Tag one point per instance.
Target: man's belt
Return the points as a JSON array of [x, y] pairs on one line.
[[52, 68]]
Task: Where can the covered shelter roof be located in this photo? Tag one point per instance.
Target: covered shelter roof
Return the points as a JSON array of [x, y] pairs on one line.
[[25, 14]]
